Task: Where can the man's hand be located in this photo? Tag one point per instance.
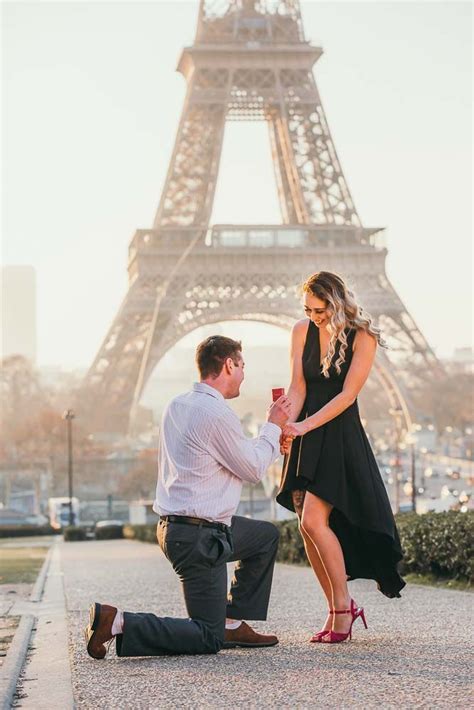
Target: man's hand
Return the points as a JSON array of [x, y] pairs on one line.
[[279, 412], [285, 444]]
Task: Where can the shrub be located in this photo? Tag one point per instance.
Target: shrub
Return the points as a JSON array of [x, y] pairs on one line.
[[434, 543], [73, 533], [109, 532], [438, 543], [291, 547], [144, 533]]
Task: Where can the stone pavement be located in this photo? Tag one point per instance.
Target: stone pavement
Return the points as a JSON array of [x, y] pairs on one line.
[[414, 654]]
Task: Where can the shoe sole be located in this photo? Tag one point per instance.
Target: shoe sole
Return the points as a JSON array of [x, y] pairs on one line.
[[235, 644], [94, 616]]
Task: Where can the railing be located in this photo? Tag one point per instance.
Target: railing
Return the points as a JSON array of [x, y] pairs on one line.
[[259, 236], [294, 237]]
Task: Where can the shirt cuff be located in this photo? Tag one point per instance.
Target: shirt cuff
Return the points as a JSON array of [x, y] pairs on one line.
[[271, 432]]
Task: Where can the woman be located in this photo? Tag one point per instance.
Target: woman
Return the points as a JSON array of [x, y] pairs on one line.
[[330, 477]]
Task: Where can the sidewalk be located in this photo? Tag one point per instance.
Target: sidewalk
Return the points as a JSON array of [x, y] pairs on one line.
[[414, 654]]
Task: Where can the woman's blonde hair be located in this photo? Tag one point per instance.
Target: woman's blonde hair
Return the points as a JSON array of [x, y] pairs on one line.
[[344, 313]]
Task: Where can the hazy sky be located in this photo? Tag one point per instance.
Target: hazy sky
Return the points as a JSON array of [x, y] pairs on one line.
[[91, 103]]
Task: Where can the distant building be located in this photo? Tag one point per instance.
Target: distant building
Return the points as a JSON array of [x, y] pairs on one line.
[[18, 312], [462, 360], [464, 357]]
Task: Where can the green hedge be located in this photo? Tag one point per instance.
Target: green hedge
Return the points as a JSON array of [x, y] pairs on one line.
[[109, 532], [74, 533], [27, 530], [144, 533], [291, 549], [440, 544]]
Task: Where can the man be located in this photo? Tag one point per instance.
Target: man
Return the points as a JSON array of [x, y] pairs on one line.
[[203, 460]]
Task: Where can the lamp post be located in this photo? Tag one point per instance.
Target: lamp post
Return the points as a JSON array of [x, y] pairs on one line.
[[449, 431], [397, 415], [413, 470], [68, 416], [412, 439]]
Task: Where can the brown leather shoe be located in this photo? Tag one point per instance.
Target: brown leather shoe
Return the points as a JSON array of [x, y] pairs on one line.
[[244, 635], [99, 631]]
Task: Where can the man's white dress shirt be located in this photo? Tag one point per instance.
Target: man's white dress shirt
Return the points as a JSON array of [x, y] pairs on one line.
[[204, 456]]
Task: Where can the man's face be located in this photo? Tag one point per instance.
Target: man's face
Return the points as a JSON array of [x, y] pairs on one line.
[[236, 377]]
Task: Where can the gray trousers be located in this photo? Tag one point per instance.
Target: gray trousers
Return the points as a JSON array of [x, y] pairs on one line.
[[199, 556]]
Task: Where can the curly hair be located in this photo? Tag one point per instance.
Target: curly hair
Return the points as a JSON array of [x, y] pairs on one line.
[[344, 312]]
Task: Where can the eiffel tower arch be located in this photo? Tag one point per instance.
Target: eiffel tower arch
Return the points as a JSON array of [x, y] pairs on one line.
[[250, 61]]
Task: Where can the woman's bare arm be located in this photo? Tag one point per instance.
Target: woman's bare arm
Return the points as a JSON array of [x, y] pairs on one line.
[[297, 389], [365, 346]]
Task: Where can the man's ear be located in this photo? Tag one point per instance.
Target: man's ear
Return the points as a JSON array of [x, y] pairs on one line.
[[229, 365]]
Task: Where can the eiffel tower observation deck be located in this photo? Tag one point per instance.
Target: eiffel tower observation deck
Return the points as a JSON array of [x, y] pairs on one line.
[[250, 61]]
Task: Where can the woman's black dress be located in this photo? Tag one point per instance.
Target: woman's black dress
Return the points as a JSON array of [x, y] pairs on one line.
[[336, 463]]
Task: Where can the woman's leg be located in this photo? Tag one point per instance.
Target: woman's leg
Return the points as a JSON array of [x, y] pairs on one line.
[[313, 557], [315, 523]]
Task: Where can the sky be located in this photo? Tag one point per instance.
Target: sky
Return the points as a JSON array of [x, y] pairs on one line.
[[90, 107]]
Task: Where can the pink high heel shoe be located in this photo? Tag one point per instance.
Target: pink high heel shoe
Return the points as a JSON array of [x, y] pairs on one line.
[[316, 638], [337, 636]]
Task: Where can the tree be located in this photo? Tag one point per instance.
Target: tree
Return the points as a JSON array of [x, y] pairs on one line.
[[141, 481], [31, 427], [448, 400]]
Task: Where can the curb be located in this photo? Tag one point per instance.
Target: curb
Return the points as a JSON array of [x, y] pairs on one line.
[[38, 589], [16, 656], [14, 661]]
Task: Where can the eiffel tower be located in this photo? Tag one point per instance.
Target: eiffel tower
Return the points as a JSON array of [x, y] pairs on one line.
[[250, 61]]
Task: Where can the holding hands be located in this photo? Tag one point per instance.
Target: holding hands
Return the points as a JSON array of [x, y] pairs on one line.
[[294, 429], [290, 431]]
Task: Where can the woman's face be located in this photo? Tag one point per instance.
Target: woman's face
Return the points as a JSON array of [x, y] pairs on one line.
[[316, 309]]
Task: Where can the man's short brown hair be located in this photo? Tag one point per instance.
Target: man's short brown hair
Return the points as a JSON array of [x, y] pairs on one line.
[[212, 353]]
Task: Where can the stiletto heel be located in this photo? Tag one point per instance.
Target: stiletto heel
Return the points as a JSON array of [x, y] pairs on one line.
[[362, 616], [338, 636]]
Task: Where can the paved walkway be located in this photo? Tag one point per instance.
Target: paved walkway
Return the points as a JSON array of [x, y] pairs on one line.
[[414, 654]]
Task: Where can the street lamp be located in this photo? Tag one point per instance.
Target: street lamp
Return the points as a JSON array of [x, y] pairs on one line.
[[449, 430], [411, 439], [69, 416], [399, 445]]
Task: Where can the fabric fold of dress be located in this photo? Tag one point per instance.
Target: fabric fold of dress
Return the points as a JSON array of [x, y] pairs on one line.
[[335, 462]]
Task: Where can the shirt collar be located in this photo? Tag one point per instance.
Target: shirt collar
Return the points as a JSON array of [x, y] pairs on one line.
[[207, 389]]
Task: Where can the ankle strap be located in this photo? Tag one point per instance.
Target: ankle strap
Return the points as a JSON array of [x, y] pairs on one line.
[[340, 611]]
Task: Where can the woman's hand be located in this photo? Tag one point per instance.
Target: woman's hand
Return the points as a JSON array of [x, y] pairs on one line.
[[293, 429]]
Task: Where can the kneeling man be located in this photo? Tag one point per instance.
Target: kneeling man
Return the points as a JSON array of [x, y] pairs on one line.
[[204, 457]]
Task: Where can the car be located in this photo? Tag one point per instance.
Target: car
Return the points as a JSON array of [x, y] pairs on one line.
[[108, 523]]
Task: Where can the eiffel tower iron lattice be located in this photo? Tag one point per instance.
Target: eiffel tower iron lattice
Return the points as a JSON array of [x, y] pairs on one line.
[[250, 61]]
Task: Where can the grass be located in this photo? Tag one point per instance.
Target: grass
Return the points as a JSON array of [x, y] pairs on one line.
[[21, 565], [429, 580], [19, 541]]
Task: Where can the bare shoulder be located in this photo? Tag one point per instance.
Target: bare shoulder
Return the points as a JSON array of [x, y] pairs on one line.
[[364, 340], [300, 329]]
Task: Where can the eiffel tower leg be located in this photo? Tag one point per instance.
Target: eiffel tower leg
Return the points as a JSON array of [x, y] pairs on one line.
[[190, 184], [105, 396], [292, 204], [303, 143]]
